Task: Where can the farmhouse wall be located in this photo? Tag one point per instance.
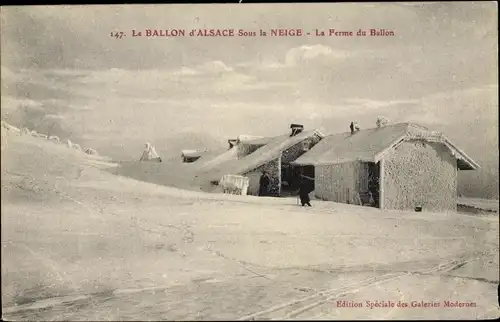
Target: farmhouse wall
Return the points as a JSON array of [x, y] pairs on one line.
[[418, 173], [338, 182], [273, 169]]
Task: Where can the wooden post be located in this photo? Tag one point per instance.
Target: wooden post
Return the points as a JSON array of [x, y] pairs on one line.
[[381, 184]]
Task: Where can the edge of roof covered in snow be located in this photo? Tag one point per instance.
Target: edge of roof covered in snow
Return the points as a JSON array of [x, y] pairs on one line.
[[193, 153], [277, 151], [260, 141], [248, 137], [228, 155], [432, 136]]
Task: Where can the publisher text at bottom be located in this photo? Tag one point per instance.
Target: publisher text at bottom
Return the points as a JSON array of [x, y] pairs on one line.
[[404, 304]]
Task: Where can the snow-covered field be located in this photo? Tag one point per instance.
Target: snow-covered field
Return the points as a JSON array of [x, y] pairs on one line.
[[79, 243]]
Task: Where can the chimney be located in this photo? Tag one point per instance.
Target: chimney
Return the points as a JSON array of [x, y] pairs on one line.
[[296, 129], [232, 143], [352, 128]]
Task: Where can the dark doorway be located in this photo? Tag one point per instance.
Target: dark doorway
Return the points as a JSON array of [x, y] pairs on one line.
[[374, 183], [291, 176]]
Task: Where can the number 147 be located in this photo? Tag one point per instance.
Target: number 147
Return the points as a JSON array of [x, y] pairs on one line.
[[117, 34]]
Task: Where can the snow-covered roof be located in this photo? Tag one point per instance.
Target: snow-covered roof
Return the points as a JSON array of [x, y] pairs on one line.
[[247, 137], [192, 153], [267, 153], [370, 145]]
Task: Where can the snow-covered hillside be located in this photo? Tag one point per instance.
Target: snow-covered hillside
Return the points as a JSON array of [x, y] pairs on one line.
[[80, 243]]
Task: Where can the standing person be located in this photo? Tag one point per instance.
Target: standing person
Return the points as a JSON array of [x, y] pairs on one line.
[[304, 191], [264, 184]]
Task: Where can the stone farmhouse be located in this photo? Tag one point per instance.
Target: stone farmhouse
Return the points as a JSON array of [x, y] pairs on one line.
[[411, 168], [249, 156]]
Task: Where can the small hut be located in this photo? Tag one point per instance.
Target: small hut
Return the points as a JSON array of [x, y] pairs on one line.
[[190, 156]]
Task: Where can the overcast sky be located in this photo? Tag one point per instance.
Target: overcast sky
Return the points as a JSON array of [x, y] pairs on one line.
[[440, 67]]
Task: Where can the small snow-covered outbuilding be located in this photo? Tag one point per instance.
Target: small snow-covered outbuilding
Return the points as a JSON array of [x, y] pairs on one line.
[[190, 156]]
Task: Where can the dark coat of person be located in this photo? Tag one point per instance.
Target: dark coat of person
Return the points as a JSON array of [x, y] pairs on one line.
[[264, 184], [304, 190]]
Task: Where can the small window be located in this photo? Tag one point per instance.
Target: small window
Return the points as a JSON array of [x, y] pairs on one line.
[[305, 145]]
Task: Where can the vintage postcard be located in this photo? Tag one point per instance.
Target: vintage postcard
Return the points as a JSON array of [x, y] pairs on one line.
[[295, 161]]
